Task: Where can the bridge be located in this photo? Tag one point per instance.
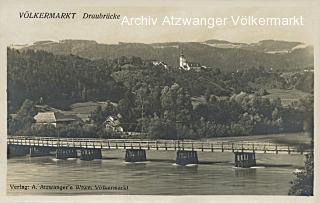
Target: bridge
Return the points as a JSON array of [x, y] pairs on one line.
[[90, 148]]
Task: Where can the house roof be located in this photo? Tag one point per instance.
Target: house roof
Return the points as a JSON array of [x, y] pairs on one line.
[[45, 117], [53, 117], [60, 117]]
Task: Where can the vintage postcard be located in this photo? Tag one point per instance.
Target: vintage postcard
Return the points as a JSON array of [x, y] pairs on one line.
[[159, 101]]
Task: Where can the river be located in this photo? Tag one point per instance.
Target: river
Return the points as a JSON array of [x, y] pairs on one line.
[[214, 175]]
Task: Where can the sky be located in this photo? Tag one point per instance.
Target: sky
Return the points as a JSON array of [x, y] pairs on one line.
[[26, 31]]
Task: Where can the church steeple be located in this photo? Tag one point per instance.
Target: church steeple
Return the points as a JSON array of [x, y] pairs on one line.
[[181, 53], [183, 61]]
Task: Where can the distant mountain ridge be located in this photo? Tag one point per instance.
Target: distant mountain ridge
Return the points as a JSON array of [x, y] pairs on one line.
[[228, 56], [266, 46]]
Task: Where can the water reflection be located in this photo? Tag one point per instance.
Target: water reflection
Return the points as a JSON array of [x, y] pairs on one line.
[[245, 172], [94, 163], [191, 169], [135, 165]]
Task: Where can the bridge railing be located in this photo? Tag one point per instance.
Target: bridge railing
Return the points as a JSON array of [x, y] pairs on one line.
[[156, 144]]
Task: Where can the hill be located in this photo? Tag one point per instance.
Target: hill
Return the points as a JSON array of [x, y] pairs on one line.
[[227, 56]]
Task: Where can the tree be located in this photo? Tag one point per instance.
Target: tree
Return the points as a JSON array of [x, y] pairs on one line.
[[176, 103], [100, 115], [24, 118], [302, 185], [26, 109], [161, 129], [126, 108]]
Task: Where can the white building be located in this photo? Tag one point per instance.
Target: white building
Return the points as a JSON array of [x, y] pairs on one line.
[[160, 64], [183, 62], [113, 123], [185, 65]]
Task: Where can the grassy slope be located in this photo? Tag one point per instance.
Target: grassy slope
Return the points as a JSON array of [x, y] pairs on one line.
[[84, 109], [286, 96]]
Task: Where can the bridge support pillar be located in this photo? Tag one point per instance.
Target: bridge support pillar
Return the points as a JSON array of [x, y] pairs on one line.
[[88, 154], [186, 157], [65, 153], [244, 159], [135, 155], [17, 150], [39, 151]]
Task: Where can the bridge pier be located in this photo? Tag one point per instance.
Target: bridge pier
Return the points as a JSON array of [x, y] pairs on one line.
[[186, 157], [17, 150], [39, 151], [65, 153], [244, 159], [135, 155], [88, 154]]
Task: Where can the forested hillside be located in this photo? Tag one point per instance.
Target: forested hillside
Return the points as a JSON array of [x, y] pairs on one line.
[[151, 98]]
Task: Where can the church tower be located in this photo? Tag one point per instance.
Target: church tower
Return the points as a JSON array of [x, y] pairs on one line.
[[183, 62]]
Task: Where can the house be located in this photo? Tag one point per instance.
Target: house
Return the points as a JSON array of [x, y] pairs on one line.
[[308, 70], [113, 123], [55, 118], [160, 64], [183, 64]]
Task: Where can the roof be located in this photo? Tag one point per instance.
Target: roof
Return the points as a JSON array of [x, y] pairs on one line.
[[60, 117], [45, 117], [53, 117]]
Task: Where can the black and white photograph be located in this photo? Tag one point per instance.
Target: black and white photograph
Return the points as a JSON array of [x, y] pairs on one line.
[[162, 100]]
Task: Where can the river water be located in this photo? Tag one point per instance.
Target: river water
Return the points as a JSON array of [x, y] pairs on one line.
[[214, 175]]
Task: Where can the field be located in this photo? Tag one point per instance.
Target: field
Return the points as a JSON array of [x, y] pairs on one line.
[[287, 96], [197, 100], [83, 110]]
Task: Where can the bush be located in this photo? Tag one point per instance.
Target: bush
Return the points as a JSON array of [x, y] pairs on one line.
[[302, 185]]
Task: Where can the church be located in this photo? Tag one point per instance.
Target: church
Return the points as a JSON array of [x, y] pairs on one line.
[[185, 65]]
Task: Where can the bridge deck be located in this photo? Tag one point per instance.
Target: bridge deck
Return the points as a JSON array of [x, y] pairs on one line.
[[172, 145]]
